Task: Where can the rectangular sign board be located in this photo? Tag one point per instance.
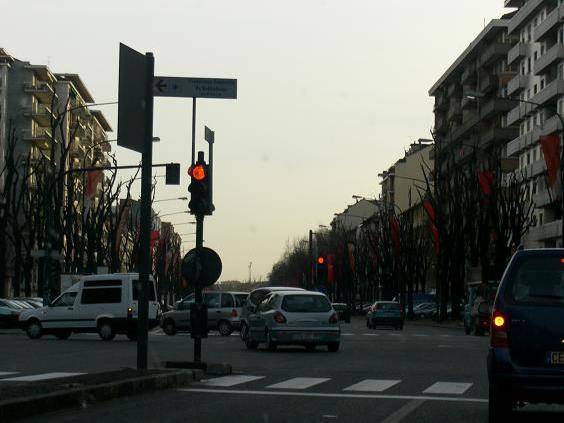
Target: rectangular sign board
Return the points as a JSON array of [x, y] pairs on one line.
[[166, 86]]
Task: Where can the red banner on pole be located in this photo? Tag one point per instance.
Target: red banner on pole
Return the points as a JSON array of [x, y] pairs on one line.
[[430, 209], [550, 146], [395, 230], [436, 239], [485, 179]]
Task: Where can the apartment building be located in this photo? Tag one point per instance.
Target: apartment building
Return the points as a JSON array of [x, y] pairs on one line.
[[539, 57], [470, 108], [403, 183]]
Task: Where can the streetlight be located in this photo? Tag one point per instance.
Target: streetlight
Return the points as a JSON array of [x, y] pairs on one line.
[[172, 214], [184, 223], [475, 95], [171, 199]]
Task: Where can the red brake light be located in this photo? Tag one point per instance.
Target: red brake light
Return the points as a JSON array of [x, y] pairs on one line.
[[279, 318], [334, 318], [234, 313], [498, 336]]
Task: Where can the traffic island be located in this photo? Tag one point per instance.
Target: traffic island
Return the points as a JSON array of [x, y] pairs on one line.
[[26, 399], [212, 369]]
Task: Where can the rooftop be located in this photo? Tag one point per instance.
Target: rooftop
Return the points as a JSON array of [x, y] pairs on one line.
[[78, 84]]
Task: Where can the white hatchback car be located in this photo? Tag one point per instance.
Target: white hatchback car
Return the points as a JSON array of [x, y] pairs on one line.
[[106, 304]]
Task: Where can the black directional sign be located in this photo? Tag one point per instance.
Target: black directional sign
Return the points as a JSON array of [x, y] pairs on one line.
[[132, 98], [201, 269], [166, 86]]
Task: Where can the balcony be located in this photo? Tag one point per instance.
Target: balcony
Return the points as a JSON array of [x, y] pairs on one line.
[[550, 126], [41, 139], [42, 91], [40, 114], [549, 26], [523, 15], [555, 88], [544, 232], [466, 103], [488, 83], [534, 169], [468, 74], [499, 134], [494, 52], [494, 106], [543, 198], [517, 52], [517, 84], [454, 90], [454, 111], [441, 103], [551, 57]]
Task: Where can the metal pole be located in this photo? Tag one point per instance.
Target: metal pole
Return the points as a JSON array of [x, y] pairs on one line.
[[561, 177], [145, 259], [310, 259], [193, 130], [198, 290]]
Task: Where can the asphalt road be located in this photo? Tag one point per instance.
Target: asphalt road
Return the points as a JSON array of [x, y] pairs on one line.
[[420, 374]]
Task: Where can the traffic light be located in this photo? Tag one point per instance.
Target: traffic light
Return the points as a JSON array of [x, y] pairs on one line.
[[199, 188], [321, 269]]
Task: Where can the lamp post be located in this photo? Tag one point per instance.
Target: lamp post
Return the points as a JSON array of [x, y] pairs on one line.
[[477, 95], [171, 199]]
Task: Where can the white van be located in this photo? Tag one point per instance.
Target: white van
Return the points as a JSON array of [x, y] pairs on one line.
[[106, 304]]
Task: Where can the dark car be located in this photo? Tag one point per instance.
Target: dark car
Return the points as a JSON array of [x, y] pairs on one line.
[[526, 355], [385, 313], [343, 311]]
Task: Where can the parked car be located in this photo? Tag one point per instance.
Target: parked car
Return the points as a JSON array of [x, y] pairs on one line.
[[343, 311], [476, 322], [253, 300], [8, 317], [425, 310], [106, 304], [224, 312], [526, 354], [294, 318], [385, 313]]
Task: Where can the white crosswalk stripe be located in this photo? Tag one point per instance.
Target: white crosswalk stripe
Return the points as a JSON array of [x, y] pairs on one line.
[[371, 334], [453, 388], [7, 373], [226, 381], [42, 376], [299, 383], [372, 385]]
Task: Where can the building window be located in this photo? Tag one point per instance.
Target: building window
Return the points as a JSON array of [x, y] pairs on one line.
[[528, 65], [541, 218], [542, 84], [534, 160], [528, 158], [536, 55], [534, 187], [535, 89]]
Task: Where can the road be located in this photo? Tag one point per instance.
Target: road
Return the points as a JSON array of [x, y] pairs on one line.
[[420, 374]]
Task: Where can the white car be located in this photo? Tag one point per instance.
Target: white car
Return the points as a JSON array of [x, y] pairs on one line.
[[106, 304]]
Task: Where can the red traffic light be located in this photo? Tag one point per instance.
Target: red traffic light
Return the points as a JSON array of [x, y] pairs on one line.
[[320, 260], [197, 172]]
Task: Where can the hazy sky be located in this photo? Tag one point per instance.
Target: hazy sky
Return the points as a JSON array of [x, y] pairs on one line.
[[330, 94]]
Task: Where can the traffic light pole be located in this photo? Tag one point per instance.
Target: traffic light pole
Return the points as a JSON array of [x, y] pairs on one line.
[[198, 291]]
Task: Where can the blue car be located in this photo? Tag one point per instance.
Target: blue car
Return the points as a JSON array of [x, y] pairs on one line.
[[385, 313], [526, 354]]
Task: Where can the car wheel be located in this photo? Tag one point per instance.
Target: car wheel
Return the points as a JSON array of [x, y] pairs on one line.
[[250, 344], [34, 329], [63, 334], [271, 345], [169, 327], [106, 331], [333, 346], [243, 332], [224, 328], [500, 406]]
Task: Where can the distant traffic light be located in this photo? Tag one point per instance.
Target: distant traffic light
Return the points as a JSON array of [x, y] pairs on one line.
[[321, 269], [200, 203]]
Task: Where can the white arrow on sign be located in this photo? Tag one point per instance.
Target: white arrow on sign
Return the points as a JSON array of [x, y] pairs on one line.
[[166, 86]]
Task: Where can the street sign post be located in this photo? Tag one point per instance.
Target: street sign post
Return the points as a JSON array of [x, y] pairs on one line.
[[135, 131], [170, 86], [201, 268]]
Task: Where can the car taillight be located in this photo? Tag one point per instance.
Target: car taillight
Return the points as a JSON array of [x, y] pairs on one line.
[[279, 317], [129, 312], [234, 313], [334, 318], [498, 336]]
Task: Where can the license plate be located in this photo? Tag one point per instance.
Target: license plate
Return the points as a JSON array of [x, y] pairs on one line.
[[555, 357], [307, 336]]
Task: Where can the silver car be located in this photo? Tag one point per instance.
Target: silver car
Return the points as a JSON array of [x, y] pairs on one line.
[[253, 300], [224, 312], [294, 318]]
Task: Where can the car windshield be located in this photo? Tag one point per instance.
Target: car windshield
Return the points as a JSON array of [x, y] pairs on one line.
[[387, 306], [240, 300], [536, 280], [305, 304]]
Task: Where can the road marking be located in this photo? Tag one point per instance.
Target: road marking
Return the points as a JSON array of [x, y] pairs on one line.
[[372, 385], [398, 415], [299, 383], [452, 388], [7, 373], [395, 334], [445, 336], [371, 334], [227, 381], [43, 376], [421, 335], [325, 395], [348, 334]]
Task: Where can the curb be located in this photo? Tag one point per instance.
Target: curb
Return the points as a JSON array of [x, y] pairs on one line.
[[213, 369], [38, 404]]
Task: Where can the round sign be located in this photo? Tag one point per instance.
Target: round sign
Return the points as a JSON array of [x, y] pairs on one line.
[[201, 268]]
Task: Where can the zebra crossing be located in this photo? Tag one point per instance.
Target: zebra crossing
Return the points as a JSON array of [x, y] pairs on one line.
[[18, 377], [307, 383]]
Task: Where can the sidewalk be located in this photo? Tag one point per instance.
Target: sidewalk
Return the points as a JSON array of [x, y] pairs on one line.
[[24, 399]]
